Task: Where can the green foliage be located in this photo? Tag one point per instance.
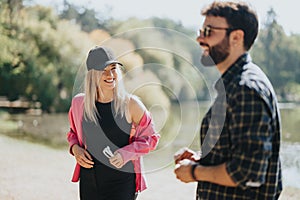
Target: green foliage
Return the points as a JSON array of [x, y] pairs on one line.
[[88, 19], [165, 42], [278, 55], [42, 51], [39, 57]]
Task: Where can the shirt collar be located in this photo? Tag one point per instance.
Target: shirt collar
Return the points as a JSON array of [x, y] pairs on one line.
[[232, 71]]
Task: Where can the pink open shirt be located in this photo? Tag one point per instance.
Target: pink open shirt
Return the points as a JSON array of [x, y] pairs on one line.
[[143, 139]]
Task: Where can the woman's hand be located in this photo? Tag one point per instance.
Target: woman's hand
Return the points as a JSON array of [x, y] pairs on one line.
[[83, 158], [117, 160]]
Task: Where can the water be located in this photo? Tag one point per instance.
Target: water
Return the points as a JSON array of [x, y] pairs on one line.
[[290, 160], [290, 148], [178, 128]]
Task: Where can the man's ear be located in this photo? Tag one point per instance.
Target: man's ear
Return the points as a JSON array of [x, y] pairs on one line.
[[237, 38]]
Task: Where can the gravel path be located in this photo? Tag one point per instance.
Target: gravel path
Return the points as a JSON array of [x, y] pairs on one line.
[[32, 172]]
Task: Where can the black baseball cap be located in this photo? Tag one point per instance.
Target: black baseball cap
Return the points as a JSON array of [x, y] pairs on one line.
[[99, 57]]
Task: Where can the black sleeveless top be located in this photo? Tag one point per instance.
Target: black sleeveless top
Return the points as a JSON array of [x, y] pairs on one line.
[[115, 131], [112, 131], [115, 128], [104, 181]]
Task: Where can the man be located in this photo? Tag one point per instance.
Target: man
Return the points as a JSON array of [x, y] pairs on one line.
[[240, 133]]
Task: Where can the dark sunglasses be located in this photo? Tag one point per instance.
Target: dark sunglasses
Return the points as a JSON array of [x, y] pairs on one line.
[[206, 31]]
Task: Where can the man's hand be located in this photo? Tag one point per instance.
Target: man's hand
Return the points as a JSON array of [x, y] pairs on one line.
[[83, 158], [183, 170]]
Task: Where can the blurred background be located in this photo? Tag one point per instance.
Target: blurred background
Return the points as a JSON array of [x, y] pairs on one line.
[[43, 49]]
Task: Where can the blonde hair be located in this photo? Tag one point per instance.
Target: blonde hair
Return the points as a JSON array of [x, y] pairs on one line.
[[92, 81]]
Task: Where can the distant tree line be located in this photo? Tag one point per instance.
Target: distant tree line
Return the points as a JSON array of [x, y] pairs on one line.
[[42, 50], [279, 56]]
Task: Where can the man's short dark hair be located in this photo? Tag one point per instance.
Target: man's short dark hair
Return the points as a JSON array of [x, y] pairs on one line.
[[238, 16]]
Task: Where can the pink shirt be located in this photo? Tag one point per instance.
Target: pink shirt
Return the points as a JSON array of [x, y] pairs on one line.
[[143, 139]]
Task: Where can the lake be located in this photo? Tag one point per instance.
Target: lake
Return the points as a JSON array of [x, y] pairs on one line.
[[178, 128]]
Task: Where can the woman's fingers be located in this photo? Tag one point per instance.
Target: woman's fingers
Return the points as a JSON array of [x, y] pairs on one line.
[[117, 160], [88, 158], [84, 162], [83, 158]]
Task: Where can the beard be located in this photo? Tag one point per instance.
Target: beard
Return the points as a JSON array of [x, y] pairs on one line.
[[217, 53]]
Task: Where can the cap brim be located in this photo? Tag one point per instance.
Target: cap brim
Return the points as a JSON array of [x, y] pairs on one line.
[[112, 62], [101, 68]]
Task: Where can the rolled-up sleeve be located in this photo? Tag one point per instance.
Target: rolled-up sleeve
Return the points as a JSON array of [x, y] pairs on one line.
[[250, 135], [72, 136], [144, 140]]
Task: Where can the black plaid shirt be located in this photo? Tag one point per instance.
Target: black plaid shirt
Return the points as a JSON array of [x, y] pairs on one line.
[[242, 129]]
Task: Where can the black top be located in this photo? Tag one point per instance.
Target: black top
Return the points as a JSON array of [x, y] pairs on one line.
[[112, 131], [115, 128]]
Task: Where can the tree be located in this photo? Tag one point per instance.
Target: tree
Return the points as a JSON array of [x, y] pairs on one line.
[[278, 55], [39, 56], [88, 19]]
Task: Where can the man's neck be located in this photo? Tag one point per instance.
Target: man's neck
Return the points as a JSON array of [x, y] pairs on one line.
[[229, 61]]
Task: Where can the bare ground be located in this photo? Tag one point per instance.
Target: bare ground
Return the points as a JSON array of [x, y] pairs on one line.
[[31, 171]]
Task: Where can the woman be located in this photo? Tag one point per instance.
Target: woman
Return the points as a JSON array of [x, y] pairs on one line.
[[107, 119]]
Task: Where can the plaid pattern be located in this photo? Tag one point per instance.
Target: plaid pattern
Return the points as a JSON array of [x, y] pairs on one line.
[[242, 129]]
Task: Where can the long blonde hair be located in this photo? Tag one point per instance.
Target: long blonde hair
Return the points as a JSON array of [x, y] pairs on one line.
[[92, 81]]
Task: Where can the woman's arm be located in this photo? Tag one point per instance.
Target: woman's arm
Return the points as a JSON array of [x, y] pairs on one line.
[[82, 157], [145, 138], [71, 135]]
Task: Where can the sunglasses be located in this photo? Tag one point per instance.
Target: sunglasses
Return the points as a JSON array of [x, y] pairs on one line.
[[206, 31]]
